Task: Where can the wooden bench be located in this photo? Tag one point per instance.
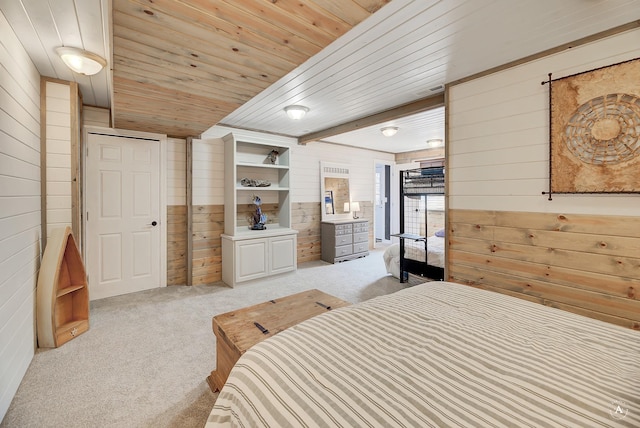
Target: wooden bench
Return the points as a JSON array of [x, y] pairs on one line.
[[239, 330]]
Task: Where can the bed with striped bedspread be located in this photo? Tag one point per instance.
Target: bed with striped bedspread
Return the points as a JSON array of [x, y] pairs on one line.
[[435, 355]]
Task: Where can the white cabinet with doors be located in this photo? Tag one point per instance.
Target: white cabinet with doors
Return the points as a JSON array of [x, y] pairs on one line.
[[253, 258], [254, 168]]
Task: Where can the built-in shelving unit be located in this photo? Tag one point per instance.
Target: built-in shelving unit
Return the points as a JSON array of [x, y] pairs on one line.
[[249, 254], [62, 294]]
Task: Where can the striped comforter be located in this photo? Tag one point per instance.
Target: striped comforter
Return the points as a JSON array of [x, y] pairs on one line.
[[436, 355]]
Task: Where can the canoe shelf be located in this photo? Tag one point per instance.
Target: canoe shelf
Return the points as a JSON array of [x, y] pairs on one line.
[[62, 294]]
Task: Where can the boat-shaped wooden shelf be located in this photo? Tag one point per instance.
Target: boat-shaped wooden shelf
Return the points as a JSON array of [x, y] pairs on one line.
[[62, 294]]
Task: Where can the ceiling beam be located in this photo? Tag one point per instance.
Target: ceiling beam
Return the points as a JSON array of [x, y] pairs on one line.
[[404, 110]]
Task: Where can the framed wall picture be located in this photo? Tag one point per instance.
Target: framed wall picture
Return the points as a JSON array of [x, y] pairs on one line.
[[595, 130]]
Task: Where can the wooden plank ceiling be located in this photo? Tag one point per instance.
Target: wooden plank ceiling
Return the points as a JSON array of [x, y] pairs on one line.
[[180, 66]]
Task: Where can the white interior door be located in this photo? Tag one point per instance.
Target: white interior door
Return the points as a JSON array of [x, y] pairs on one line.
[[123, 215]]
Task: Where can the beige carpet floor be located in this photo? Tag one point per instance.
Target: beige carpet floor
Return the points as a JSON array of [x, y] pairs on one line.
[[144, 361]]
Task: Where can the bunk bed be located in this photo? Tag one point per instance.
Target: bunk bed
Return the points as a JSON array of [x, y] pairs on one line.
[[417, 253]]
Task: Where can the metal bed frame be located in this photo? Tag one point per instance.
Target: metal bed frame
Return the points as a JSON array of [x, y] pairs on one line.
[[418, 183]]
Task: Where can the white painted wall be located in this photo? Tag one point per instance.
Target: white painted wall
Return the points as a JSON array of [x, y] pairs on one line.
[[176, 171], [306, 170], [19, 210], [208, 166], [208, 172], [58, 123], [499, 135]]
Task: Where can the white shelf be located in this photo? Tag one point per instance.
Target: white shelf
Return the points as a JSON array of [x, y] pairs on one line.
[[250, 160], [271, 230], [262, 165], [249, 254], [241, 188]]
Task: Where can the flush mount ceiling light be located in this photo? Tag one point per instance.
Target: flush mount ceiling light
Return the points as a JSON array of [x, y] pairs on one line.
[[389, 131], [81, 61], [436, 142], [296, 112]]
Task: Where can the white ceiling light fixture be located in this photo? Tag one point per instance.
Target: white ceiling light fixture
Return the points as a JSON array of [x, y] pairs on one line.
[[81, 61], [296, 112], [436, 142], [389, 131]]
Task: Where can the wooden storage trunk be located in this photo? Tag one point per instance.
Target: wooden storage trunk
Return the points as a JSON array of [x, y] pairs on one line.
[[236, 331]]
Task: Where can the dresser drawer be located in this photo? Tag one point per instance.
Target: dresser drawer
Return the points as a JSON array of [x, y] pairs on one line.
[[344, 250], [360, 237], [361, 227], [361, 247], [344, 230], [344, 240]]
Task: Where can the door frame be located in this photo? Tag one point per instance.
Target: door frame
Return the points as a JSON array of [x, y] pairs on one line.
[[162, 140], [390, 164]]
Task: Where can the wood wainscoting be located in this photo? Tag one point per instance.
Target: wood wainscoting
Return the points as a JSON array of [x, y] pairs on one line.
[[208, 225], [176, 244], [305, 218], [366, 213], [585, 264]]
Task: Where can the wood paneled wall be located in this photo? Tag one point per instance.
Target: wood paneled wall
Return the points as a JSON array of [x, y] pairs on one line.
[[96, 116], [208, 225], [366, 213], [587, 264], [435, 222], [305, 218], [176, 244]]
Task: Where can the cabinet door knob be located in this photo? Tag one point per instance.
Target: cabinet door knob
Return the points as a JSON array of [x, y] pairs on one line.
[[154, 223]]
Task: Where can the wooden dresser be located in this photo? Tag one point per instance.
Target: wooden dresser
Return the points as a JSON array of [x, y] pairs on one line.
[[344, 240]]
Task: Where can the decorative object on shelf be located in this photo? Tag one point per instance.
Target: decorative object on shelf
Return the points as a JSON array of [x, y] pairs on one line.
[[272, 157], [259, 220], [594, 134], [252, 182]]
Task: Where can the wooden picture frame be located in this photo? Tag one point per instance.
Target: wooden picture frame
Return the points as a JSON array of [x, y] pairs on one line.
[[595, 130]]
